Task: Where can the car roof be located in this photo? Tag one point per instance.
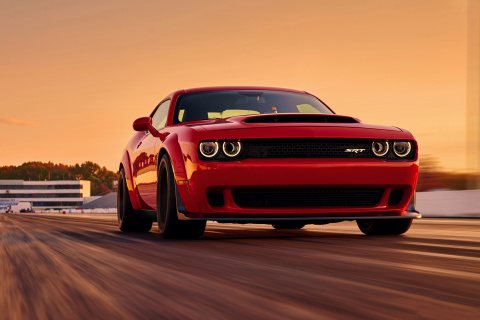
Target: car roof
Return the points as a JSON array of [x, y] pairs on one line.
[[239, 88]]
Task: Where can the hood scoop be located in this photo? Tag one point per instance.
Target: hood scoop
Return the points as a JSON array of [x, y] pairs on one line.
[[301, 118]]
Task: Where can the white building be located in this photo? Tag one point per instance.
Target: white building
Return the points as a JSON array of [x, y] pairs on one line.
[[44, 194]]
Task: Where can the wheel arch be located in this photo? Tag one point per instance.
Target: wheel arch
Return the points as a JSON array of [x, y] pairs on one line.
[[171, 148]]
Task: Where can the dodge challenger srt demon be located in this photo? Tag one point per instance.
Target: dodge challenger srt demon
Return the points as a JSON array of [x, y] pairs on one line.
[[263, 155]]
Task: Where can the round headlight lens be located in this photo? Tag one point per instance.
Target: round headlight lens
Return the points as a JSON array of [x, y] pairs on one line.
[[208, 149], [232, 148], [402, 148], [380, 148]]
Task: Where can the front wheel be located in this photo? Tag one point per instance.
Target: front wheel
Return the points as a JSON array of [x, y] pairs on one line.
[[128, 219], [168, 223], [384, 226]]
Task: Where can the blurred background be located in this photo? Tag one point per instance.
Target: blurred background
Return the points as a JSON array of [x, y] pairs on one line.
[[76, 74]]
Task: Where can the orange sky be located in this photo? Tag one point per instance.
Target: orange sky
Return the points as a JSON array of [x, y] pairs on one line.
[[75, 74]]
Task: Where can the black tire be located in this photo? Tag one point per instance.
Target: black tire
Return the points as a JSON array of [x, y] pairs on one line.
[[291, 225], [128, 220], [384, 226], [168, 223]]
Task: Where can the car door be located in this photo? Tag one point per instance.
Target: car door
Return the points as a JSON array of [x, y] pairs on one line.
[[145, 164]]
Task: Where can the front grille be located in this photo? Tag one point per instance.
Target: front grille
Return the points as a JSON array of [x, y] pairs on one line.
[[307, 148], [307, 197]]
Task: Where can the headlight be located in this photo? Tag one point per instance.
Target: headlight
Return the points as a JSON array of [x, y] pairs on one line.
[[380, 148], [402, 148], [208, 149], [232, 148]]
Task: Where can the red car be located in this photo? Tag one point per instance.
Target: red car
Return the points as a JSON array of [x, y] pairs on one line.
[[263, 155]]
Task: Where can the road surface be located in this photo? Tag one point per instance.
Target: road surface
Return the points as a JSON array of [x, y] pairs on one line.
[[83, 267]]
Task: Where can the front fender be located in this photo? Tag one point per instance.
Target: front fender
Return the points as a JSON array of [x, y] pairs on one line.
[[132, 190], [171, 146]]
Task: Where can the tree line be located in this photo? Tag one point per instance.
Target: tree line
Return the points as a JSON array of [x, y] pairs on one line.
[[101, 178]]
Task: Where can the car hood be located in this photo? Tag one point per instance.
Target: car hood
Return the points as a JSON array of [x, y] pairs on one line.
[[286, 126], [287, 120]]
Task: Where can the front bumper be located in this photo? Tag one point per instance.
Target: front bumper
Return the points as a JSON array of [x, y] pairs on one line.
[[295, 173]]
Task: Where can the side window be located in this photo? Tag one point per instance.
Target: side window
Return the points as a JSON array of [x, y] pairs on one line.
[[159, 119]]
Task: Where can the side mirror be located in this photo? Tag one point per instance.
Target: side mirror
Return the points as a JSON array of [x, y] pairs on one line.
[[144, 124]]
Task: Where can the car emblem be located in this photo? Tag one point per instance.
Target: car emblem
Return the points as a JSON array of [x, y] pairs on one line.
[[354, 150]]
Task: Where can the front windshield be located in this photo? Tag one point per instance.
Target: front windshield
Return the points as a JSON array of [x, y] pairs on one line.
[[222, 104]]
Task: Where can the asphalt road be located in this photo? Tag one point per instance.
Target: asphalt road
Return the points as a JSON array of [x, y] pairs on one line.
[[83, 267]]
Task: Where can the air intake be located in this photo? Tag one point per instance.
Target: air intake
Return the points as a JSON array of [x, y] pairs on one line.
[[215, 198], [307, 197], [300, 118], [395, 197]]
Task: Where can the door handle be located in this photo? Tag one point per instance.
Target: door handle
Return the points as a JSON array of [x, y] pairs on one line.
[[139, 144]]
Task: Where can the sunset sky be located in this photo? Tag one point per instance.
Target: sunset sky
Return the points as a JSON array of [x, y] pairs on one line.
[[75, 74]]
